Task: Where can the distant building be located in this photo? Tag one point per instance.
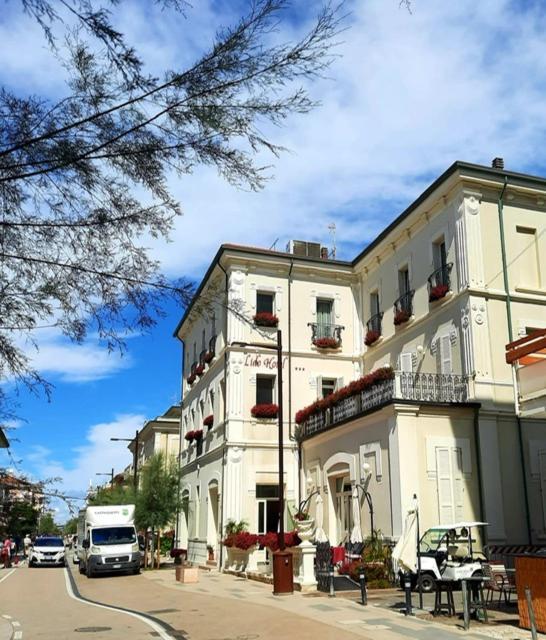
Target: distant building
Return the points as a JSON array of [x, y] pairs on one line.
[[19, 490], [427, 298]]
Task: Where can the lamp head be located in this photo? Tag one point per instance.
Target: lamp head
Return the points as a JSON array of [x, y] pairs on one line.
[[366, 471]]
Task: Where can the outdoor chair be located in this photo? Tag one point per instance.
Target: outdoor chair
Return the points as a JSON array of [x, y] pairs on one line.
[[497, 582]]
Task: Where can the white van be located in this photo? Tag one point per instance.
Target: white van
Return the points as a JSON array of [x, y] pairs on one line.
[[108, 540]]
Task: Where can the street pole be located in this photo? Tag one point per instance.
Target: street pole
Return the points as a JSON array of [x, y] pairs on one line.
[[418, 552], [135, 462], [281, 442], [112, 478]]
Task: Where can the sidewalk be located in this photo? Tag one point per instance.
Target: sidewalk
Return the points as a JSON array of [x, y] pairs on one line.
[[339, 612]]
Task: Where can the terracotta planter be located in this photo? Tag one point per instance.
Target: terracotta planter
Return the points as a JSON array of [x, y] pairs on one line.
[[187, 575]]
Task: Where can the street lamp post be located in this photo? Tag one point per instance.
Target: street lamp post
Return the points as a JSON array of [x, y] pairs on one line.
[[135, 455], [283, 575], [111, 474]]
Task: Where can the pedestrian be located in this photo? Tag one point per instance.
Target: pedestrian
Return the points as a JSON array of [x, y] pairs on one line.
[[27, 542], [6, 553]]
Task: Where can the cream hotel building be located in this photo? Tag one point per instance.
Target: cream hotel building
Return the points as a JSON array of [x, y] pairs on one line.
[[436, 297]]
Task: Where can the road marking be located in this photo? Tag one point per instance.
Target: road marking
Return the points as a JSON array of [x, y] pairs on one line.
[[15, 623], [6, 616], [156, 627], [17, 635], [7, 575]]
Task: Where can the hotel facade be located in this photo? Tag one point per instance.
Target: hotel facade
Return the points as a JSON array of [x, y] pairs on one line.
[[435, 297]]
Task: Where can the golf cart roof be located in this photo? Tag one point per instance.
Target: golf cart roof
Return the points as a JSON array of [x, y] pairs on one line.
[[459, 525]]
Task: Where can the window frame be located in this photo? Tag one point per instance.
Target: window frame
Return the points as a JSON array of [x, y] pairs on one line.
[[273, 379]]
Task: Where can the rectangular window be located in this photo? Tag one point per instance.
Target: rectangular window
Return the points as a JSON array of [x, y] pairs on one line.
[[403, 281], [449, 479], [264, 389], [327, 386], [343, 508], [213, 324], [325, 310], [439, 254], [374, 303], [264, 302], [194, 352], [203, 341], [444, 363], [527, 257], [405, 362], [267, 496]]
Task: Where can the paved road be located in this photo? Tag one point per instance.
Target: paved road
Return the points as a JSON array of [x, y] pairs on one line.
[[39, 607]]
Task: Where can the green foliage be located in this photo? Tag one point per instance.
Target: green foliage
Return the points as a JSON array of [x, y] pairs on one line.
[[71, 526], [233, 527], [119, 494], [375, 549], [166, 545], [158, 499], [22, 519], [47, 526]]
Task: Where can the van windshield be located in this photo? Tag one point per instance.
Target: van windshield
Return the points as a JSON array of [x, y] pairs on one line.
[[114, 535]]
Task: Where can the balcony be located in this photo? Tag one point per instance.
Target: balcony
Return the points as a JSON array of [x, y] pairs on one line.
[[326, 336], [439, 282], [403, 307], [421, 387], [374, 329]]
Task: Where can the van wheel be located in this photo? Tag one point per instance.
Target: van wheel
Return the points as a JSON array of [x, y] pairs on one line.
[[81, 568], [89, 572], [428, 583]]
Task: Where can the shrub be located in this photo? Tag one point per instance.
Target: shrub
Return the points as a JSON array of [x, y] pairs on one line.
[[401, 316], [265, 411], [326, 343], [208, 421], [265, 319], [438, 292], [371, 337]]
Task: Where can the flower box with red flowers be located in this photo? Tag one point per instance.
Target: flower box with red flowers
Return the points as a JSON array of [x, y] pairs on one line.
[[200, 369], [265, 319], [190, 379], [401, 316], [326, 343], [208, 357], [198, 435], [265, 411], [208, 421], [190, 436], [271, 540], [438, 292], [243, 540], [371, 337]]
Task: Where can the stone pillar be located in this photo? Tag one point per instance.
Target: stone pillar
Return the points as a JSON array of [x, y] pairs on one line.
[[306, 577]]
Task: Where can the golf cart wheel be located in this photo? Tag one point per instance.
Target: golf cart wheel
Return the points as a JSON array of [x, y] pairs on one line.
[[428, 583]]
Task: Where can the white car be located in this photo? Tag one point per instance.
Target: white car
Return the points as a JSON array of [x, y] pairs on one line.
[[47, 551]]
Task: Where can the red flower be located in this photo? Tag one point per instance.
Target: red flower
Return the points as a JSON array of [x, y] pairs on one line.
[[326, 343], [371, 337], [265, 319], [200, 369], [198, 434], [190, 436], [209, 421], [401, 316], [190, 379], [208, 357], [438, 292], [243, 540], [271, 540], [265, 411]]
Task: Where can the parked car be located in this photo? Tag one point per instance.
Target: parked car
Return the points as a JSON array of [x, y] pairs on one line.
[[47, 551]]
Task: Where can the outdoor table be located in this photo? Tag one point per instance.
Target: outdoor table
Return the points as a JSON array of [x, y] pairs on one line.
[[473, 592], [338, 554], [444, 586]]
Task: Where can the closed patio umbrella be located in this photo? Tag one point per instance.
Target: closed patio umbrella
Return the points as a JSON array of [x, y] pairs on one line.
[[356, 533], [320, 536], [404, 553]]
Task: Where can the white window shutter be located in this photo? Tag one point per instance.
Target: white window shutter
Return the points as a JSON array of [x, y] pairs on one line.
[[445, 491], [319, 386], [446, 365], [458, 484], [405, 362], [542, 467], [339, 383]]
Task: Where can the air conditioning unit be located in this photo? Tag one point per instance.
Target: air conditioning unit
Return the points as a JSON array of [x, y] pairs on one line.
[[301, 248]]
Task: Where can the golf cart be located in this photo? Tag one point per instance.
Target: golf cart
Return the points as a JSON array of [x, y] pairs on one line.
[[447, 552]]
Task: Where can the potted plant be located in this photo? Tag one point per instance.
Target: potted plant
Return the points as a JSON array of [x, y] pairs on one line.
[[198, 435], [190, 436], [190, 379], [438, 292], [326, 343], [401, 316], [265, 411], [200, 369], [178, 555], [265, 319], [304, 524], [210, 551], [240, 544], [371, 337], [209, 421]]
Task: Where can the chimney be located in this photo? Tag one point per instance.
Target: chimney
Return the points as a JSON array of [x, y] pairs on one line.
[[324, 253], [498, 163]]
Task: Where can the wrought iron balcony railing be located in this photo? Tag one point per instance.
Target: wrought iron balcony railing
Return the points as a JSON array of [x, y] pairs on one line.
[[375, 322], [423, 387], [405, 302], [439, 282], [321, 331]]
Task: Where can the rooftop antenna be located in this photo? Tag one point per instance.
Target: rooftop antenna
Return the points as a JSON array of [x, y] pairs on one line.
[[273, 247], [332, 230]]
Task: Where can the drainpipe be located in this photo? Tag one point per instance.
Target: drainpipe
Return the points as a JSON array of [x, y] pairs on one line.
[[224, 452], [479, 468], [500, 206]]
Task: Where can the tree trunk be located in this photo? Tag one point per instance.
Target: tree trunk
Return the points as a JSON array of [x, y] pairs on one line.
[[152, 550], [159, 549]]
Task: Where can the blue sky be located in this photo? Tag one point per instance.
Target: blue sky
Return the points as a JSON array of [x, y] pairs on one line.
[[409, 94]]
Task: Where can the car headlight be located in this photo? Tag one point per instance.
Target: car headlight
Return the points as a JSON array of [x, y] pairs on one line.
[[95, 549], [134, 548]]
